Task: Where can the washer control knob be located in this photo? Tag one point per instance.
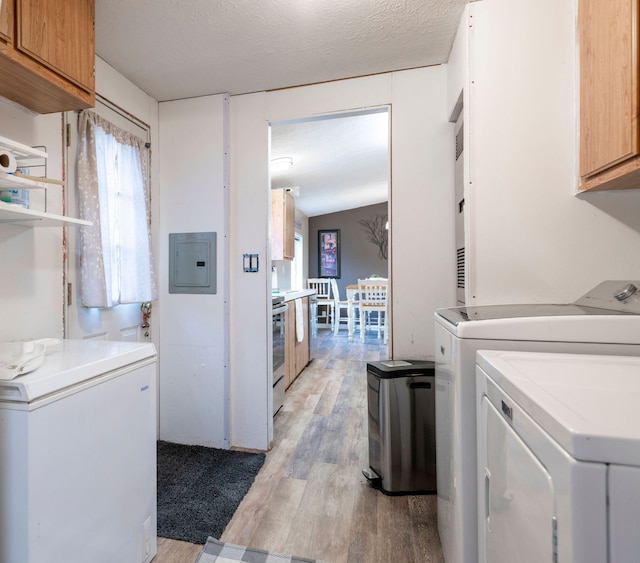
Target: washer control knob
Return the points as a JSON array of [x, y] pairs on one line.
[[626, 292]]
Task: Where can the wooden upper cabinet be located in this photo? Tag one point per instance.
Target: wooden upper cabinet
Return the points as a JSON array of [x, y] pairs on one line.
[[47, 58], [283, 216], [60, 35], [6, 22], [609, 104]]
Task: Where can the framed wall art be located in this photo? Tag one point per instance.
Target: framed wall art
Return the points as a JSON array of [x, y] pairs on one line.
[[329, 253]]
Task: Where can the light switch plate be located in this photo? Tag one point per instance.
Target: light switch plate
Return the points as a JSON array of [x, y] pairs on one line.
[[250, 262]]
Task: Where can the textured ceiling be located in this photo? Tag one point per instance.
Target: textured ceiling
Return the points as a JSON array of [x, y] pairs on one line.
[[175, 49], [338, 164], [179, 49]]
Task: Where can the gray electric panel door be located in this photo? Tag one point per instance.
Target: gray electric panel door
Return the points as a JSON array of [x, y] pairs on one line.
[[192, 263]]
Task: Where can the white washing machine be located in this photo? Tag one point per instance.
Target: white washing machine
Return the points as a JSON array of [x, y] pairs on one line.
[[604, 321], [558, 458]]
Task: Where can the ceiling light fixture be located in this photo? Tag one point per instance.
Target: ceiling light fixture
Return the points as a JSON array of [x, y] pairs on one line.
[[281, 163]]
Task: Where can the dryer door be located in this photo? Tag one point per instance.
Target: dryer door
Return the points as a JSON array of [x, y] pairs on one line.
[[515, 494]]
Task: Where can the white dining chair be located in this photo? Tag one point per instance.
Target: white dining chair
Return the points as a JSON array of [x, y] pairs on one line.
[[339, 306], [322, 287], [372, 298]]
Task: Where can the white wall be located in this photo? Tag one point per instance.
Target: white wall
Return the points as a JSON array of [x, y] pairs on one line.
[[458, 64], [31, 258], [422, 245], [531, 238], [112, 85], [251, 424], [194, 340], [422, 204]]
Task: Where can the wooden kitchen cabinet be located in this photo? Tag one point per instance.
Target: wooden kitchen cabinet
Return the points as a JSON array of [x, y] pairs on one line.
[[297, 354], [302, 348], [47, 54], [290, 346], [283, 228], [6, 21], [609, 94]]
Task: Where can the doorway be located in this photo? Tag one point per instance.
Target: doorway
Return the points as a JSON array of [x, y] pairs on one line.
[[338, 172], [122, 322]]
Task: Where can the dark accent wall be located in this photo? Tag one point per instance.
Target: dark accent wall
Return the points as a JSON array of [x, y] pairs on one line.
[[358, 257]]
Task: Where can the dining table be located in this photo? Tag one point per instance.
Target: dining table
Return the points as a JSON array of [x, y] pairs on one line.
[[352, 302]]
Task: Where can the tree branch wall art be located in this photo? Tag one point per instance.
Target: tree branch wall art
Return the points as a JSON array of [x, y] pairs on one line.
[[377, 233]]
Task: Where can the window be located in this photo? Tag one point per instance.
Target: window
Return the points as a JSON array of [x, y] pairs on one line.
[[116, 265], [297, 266]]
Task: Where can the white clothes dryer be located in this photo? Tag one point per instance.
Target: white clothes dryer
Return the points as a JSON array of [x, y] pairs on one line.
[[604, 321], [558, 458]]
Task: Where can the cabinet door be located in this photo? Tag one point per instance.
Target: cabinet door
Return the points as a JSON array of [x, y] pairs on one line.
[[302, 348], [289, 345], [6, 21], [60, 35], [608, 83], [283, 211]]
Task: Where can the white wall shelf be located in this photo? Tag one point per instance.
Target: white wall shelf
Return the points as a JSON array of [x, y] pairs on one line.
[[13, 213], [16, 214], [13, 182], [20, 151]]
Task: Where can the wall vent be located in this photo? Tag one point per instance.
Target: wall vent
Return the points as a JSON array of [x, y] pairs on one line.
[[460, 261]]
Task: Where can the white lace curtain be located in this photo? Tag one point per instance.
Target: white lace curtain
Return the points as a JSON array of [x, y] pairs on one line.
[[116, 265]]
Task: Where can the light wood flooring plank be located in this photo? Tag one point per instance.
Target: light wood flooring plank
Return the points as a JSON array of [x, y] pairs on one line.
[[395, 526], [173, 551], [328, 399], [325, 513], [424, 512], [277, 522], [364, 533]]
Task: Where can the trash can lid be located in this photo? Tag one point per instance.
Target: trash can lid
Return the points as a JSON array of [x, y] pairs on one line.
[[401, 368]]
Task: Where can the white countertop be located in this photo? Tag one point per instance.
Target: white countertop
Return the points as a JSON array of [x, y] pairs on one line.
[[292, 294], [72, 363]]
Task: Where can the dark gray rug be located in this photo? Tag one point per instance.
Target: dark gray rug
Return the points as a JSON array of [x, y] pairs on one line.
[[200, 488]]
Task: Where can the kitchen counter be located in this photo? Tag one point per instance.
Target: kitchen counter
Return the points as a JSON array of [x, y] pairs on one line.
[[292, 294]]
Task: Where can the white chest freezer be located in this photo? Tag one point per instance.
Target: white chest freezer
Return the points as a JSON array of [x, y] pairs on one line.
[[78, 456]]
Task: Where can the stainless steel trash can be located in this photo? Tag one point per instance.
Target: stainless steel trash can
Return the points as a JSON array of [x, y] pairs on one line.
[[402, 433]]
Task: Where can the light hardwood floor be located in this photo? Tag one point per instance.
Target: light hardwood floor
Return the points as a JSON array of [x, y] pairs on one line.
[[310, 498]]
